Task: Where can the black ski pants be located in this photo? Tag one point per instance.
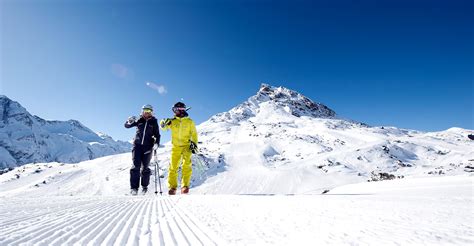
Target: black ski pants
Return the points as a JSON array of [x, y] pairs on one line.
[[141, 160]]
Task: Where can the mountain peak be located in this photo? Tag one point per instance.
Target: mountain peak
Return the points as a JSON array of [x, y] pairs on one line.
[[272, 92], [296, 103], [290, 101], [10, 109], [5, 101]]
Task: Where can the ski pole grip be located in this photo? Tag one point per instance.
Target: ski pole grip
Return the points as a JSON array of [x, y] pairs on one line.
[[193, 147]]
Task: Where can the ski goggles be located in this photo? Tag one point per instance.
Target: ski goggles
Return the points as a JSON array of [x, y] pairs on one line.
[[177, 109], [147, 111]]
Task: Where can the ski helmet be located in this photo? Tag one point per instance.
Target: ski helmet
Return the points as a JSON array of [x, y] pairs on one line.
[[147, 107], [179, 105], [179, 108]]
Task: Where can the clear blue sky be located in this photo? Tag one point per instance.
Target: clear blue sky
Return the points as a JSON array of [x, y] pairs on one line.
[[401, 63]]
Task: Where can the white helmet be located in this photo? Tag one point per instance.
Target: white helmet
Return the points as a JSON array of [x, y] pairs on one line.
[[147, 106]]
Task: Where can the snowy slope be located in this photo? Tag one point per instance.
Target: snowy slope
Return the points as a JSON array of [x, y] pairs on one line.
[[428, 211], [103, 176], [25, 138], [84, 203]]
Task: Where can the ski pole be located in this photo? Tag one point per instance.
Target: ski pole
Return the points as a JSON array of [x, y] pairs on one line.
[[157, 174], [156, 170]]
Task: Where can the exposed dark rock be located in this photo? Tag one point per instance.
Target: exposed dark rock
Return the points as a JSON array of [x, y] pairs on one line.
[[382, 176]]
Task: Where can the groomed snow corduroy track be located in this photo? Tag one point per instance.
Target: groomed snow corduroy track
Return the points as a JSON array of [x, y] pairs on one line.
[[98, 220], [427, 211]]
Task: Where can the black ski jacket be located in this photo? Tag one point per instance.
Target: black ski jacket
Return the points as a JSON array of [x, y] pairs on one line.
[[146, 130]]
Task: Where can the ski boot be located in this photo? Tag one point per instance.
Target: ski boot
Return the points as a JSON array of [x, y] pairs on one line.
[[144, 190], [133, 192], [172, 191], [184, 190]]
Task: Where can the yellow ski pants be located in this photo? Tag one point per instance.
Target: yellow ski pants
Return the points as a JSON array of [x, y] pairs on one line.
[[179, 153]]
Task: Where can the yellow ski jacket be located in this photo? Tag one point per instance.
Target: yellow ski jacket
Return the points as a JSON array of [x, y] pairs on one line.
[[183, 130]]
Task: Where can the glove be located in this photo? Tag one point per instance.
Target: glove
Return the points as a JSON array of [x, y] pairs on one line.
[[193, 147], [155, 146], [131, 119], [165, 122]]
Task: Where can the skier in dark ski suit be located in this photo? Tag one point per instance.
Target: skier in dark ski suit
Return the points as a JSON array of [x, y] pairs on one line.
[[148, 135]]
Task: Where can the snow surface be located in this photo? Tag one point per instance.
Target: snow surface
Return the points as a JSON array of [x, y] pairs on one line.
[[84, 204], [87, 203]]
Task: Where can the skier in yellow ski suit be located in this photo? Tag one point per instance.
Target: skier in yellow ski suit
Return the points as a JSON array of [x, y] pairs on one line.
[[184, 140]]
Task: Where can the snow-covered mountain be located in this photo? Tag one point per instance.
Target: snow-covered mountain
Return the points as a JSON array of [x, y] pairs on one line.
[[279, 141], [25, 138]]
